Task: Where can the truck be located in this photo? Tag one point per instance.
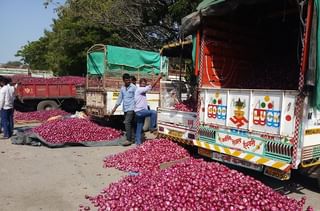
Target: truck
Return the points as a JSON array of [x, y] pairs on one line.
[[49, 93], [105, 66], [258, 91]]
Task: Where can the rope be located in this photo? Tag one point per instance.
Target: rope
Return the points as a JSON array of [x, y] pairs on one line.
[[200, 84]]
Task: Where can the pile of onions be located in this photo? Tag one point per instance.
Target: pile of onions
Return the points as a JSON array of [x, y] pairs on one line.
[[74, 130], [186, 105], [192, 185], [22, 79], [38, 116], [146, 157]]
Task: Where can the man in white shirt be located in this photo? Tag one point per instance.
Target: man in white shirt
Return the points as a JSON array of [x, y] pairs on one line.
[[7, 95]]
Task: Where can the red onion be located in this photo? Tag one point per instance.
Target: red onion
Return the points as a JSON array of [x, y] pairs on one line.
[[186, 105], [39, 116], [74, 130], [146, 157], [24, 79], [192, 185]]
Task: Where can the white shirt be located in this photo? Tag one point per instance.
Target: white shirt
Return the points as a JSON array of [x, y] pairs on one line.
[[7, 96]]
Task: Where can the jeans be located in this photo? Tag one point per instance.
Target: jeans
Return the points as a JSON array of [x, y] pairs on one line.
[[128, 123], [140, 116], [7, 122]]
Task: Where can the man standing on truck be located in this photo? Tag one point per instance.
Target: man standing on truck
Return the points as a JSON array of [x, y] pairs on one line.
[[141, 108], [126, 97]]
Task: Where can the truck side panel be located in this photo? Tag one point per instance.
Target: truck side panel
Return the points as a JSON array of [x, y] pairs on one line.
[[27, 91], [311, 138], [177, 125], [253, 125]]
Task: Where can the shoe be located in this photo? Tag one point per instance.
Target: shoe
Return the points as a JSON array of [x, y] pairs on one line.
[[5, 137], [126, 143], [153, 129]]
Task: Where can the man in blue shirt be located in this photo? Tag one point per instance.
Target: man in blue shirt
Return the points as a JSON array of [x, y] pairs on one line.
[[126, 97]]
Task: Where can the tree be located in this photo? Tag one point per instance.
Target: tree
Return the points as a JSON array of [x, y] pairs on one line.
[[141, 24], [34, 53], [13, 64]]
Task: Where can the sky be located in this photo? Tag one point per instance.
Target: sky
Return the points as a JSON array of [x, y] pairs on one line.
[[22, 21]]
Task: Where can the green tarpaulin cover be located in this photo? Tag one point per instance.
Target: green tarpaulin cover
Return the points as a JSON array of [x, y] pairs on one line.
[[120, 58]]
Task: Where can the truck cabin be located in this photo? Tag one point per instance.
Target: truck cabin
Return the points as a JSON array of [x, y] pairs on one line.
[[181, 82]]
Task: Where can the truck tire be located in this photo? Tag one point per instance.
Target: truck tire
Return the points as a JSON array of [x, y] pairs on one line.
[[47, 105]]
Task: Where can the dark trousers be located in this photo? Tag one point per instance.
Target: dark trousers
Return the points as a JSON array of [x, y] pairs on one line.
[[128, 123], [7, 122]]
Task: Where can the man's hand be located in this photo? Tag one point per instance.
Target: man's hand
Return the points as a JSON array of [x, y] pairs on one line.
[[113, 110]]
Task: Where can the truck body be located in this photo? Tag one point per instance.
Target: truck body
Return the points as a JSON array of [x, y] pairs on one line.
[[106, 64], [43, 95], [257, 86]]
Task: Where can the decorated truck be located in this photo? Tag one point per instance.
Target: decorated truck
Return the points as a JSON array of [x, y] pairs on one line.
[[258, 102], [105, 66]]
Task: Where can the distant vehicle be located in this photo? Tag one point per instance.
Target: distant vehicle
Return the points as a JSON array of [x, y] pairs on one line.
[[105, 66], [50, 93]]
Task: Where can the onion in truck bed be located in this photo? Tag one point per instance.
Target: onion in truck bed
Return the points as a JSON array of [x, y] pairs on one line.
[[186, 105], [74, 130], [193, 185], [39, 116], [146, 157], [76, 80]]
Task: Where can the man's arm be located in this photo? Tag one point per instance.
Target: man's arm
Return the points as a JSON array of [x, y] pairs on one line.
[[119, 101], [157, 81], [2, 98]]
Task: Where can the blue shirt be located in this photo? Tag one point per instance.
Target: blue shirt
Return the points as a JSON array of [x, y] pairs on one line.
[[126, 97]]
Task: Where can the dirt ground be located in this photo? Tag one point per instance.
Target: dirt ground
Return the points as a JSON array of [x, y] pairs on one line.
[[39, 178]]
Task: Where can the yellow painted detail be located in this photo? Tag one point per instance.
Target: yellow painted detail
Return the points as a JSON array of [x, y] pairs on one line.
[[262, 160], [312, 131], [248, 157], [236, 153], [278, 165], [216, 148], [227, 151], [206, 145]]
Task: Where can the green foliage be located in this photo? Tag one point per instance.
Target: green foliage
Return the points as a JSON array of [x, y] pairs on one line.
[[12, 64], [141, 24]]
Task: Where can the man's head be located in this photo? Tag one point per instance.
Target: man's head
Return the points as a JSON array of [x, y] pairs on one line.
[[126, 79], [3, 81], [143, 82], [133, 79]]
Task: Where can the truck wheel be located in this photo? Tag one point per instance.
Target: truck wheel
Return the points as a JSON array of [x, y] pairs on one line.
[[47, 105]]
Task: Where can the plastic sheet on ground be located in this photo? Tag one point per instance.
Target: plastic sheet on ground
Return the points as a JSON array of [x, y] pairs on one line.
[[26, 137]]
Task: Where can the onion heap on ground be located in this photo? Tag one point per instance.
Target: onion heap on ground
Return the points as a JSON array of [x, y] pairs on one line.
[[37, 116], [74, 130], [192, 185], [146, 157]]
